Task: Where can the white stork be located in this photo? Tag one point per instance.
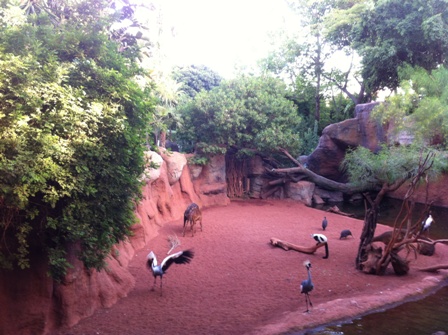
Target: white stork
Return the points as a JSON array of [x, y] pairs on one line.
[[181, 257]]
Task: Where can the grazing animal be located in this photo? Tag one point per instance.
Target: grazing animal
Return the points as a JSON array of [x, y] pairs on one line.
[[181, 257], [324, 223], [191, 215], [345, 233], [320, 238], [307, 286], [427, 223]]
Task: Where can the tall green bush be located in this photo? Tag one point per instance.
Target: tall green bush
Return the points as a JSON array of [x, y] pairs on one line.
[[245, 113], [72, 128]]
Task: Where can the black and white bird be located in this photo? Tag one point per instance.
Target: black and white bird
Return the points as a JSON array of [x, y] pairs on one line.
[[427, 223], [307, 286], [345, 233], [324, 223], [181, 257], [320, 239]]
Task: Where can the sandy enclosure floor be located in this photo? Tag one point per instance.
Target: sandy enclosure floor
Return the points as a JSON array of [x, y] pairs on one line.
[[237, 283]]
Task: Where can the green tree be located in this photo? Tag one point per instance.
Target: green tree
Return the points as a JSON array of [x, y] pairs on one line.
[[389, 33], [245, 113], [374, 175], [305, 60], [420, 107], [196, 78], [384, 172], [166, 118], [72, 128]]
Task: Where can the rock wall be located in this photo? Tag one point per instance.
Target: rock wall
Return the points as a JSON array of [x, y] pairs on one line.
[[437, 192], [32, 304]]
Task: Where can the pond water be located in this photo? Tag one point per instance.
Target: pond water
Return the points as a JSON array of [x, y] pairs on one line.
[[424, 315]]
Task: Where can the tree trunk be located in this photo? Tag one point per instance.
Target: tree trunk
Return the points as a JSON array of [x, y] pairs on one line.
[[238, 183], [367, 234], [369, 228], [162, 139]]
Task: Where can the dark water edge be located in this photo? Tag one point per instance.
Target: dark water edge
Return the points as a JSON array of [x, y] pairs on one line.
[[426, 314]]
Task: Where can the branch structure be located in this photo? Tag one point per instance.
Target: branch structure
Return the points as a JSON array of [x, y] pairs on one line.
[[290, 246]]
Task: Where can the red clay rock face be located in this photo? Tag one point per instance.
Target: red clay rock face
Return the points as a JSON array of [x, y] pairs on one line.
[[437, 192], [37, 305]]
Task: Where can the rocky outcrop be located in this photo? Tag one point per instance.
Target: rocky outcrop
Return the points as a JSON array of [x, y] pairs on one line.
[[33, 304], [301, 191], [326, 160], [336, 138]]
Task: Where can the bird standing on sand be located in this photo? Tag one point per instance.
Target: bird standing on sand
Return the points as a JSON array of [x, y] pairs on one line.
[[345, 233], [319, 238], [322, 239], [307, 286], [324, 223], [181, 257]]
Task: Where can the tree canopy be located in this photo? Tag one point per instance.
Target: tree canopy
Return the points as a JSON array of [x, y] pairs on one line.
[[245, 113], [389, 33], [72, 127], [420, 107], [196, 78]]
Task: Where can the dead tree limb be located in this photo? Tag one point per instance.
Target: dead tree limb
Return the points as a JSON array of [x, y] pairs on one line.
[[335, 209], [434, 268], [290, 246], [347, 188]]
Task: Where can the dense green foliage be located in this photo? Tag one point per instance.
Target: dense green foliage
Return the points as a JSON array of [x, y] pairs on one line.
[[72, 128], [245, 113], [196, 78], [420, 107], [369, 170], [389, 33]]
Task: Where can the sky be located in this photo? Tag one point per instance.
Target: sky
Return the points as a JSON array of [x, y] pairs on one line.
[[220, 34]]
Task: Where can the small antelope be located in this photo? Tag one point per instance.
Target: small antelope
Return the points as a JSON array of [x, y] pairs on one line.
[[191, 215]]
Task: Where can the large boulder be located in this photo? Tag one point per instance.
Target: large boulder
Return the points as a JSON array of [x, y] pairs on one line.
[[336, 138], [175, 162], [211, 184], [301, 191], [153, 166]]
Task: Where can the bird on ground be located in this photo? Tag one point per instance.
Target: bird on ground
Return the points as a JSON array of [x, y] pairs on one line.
[[307, 286], [427, 223], [322, 239], [345, 233], [181, 257], [324, 223]]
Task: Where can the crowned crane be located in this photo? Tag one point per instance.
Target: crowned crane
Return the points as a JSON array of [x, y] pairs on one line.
[[321, 239], [324, 223], [307, 286], [181, 257], [345, 233], [427, 223]]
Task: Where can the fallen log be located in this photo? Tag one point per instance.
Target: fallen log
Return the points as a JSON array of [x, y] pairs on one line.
[[335, 209], [434, 268], [290, 246]]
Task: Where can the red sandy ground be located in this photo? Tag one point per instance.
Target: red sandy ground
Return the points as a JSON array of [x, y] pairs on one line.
[[238, 283]]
